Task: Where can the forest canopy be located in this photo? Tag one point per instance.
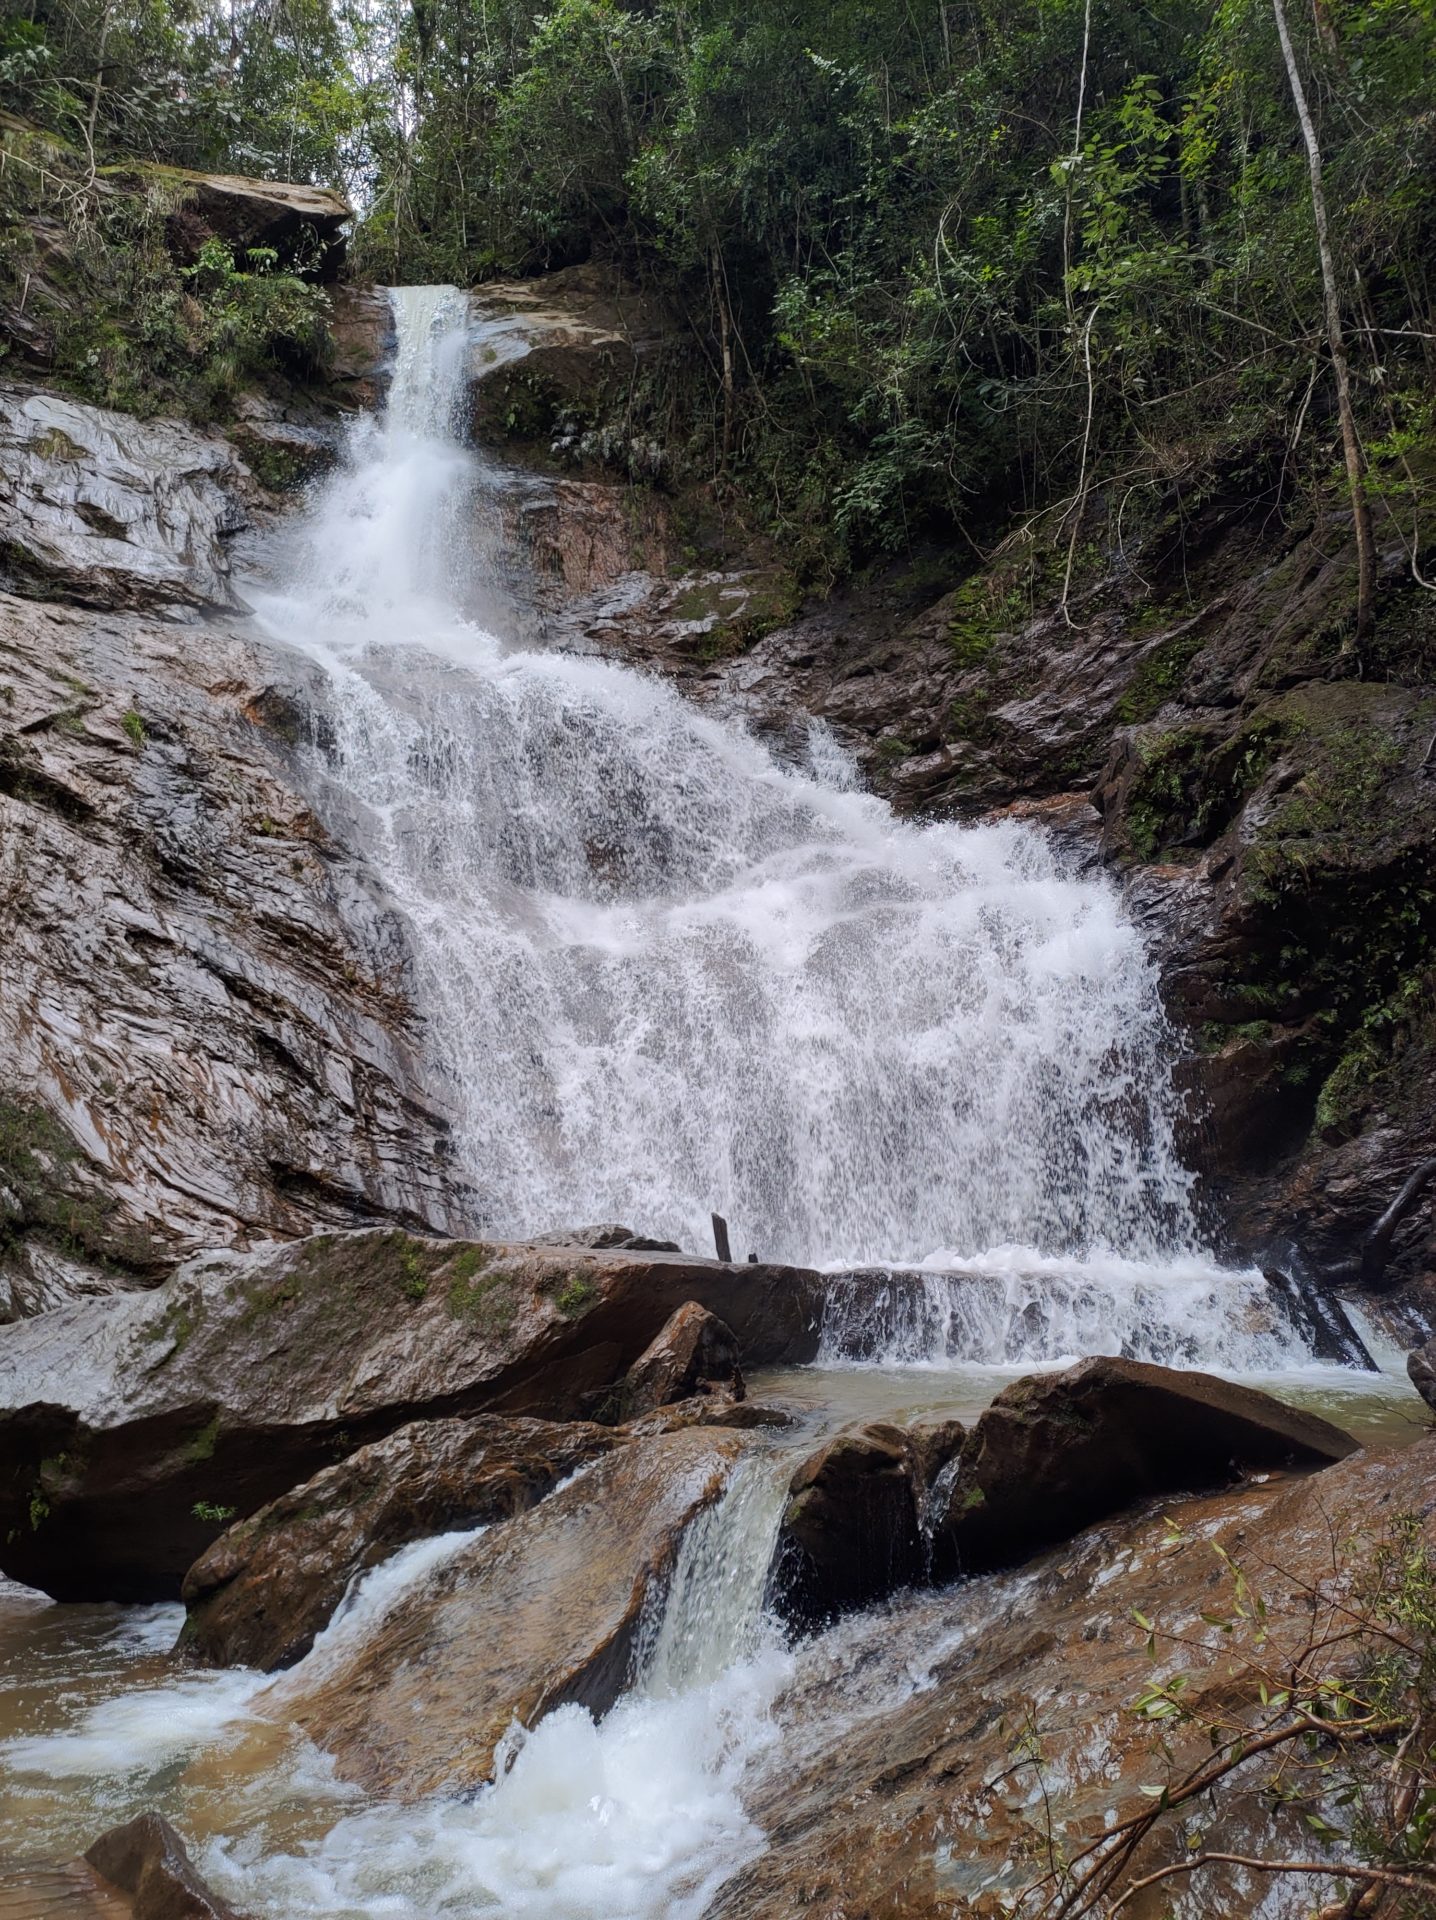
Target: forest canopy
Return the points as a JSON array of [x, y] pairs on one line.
[[943, 266]]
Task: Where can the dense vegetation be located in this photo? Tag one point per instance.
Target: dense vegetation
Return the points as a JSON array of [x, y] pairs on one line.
[[947, 266]]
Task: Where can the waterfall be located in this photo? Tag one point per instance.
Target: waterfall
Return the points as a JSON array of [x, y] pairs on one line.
[[664, 971]]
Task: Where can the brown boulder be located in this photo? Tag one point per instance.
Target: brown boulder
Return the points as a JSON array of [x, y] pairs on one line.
[[541, 1610], [694, 1353], [146, 1859], [259, 1595], [1054, 1452], [850, 1532], [131, 1426]]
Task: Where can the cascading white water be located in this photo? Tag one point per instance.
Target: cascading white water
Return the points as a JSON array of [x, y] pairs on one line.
[[1010, 1308], [666, 973]]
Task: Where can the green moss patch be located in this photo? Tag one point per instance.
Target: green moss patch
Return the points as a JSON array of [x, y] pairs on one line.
[[479, 1294]]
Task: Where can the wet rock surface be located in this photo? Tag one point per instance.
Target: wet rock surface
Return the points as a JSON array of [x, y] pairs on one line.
[[693, 1353], [259, 1595], [146, 1859], [851, 1532], [1055, 1452], [207, 1035], [422, 1704], [112, 511], [951, 1742], [126, 1423], [1421, 1367]]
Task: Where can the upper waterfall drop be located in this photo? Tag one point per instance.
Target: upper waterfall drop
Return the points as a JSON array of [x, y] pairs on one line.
[[664, 972]]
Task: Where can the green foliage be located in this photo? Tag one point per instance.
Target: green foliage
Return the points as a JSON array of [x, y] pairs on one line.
[[920, 297], [1319, 1709], [917, 290], [414, 1282], [1158, 677], [127, 326], [201, 1445], [134, 726], [216, 1515], [44, 1193]]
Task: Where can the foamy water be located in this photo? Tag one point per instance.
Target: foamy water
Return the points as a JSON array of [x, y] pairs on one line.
[[664, 970]]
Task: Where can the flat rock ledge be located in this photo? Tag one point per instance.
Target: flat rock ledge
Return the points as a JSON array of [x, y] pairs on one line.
[[134, 1428]]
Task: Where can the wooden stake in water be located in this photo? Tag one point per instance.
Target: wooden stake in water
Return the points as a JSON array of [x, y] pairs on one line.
[[720, 1239]]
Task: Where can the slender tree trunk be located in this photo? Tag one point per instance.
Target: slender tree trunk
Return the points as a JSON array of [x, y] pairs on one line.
[[725, 334], [1073, 162], [93, 117], [1350, 441]]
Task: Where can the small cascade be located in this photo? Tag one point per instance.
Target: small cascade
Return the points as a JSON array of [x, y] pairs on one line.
[[1012, 1309], [637, 1816], [713, 1614], [370, 1596]]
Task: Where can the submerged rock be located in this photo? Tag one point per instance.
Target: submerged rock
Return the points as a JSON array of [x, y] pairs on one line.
[[694, 1353], [259, 1595], [539, 1611], [1054, 1452], [130, 1427], [146, 1859]]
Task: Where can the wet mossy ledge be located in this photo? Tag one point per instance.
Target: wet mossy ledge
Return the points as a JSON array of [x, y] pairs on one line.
[[245, 1373]]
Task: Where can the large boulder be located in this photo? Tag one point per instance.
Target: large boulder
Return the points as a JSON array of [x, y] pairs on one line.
[[539, 1611], [146, 1859], [133, 1427], [694, 1353], [270, 1583], [112, 511], [305, 225], [1056, 1451], [851, 1531]]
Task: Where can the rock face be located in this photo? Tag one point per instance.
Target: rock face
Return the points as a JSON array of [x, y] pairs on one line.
[[694, 1353], [1421, 1366], [259, 1595], [127, 1423], [1055, 1452], [115, 512], [937, 1805], [420, 1706], [207, 1036], [146, 1859]]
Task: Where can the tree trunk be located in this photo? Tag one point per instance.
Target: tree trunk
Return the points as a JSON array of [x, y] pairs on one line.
[[725, 334], [1350, 442]]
